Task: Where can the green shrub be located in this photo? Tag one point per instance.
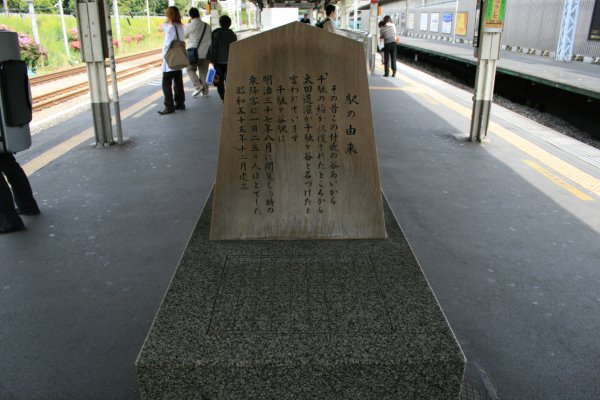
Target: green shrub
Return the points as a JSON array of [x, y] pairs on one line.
[[52, 41]]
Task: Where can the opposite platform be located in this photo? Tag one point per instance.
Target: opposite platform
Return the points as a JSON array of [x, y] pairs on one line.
[[576, 77]]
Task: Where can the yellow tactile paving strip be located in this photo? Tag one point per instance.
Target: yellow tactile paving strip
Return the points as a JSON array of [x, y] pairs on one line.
[[57, 151], [574, 174], [557, 180], [433, 97]]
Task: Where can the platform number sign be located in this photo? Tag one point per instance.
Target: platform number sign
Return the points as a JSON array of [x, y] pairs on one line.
[[595, 25], [494, 15]]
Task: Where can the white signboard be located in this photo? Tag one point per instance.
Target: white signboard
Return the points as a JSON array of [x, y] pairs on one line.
[[424, 20], [447, 23], [435, 22]]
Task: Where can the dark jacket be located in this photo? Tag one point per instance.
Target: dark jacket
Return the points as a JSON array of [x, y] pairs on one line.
[[219, 48]]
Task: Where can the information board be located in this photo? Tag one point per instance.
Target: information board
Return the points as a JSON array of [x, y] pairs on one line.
[[411, 21], [461, 23], [424, 21], [434, 24], [447, 23]]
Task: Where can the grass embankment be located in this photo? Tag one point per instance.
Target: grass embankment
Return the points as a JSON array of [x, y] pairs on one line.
[[51, 37]]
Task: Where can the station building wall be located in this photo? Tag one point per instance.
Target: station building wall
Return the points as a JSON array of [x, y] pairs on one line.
[[529, 24]]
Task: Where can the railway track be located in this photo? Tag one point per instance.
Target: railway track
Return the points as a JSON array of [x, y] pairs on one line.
[[38, 80], [66, 93]]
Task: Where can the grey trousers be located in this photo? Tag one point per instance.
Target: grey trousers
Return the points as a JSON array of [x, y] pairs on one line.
[[197, 74]]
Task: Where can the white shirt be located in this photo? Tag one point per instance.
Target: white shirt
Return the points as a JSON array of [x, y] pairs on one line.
[[170, 35], [388, 33], [193, 33]]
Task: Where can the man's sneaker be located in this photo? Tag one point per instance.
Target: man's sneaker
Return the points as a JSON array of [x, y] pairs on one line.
[[196, 93], [205, 95]]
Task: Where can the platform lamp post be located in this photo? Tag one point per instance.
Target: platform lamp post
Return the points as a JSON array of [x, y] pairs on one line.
[[491, 23], [455, 22]]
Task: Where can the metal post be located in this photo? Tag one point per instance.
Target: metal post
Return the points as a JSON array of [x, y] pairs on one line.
[[568, 26], [115, 5], [113, 74], [455, 22], [373, 32], [214, 14], [491, 23], [92, 28], [148, 16], [64, 28], [34, 27]]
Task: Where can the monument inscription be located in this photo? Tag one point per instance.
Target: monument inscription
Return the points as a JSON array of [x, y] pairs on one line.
[[297, 157]]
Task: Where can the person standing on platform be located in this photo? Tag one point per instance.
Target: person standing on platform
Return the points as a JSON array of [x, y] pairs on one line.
[[172, 79], [331, 14], [23, 196], [219, 52], [388, 33], [197, 35], [380, 43], [305, 19]]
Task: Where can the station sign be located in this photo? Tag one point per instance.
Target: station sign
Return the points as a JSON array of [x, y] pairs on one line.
[[494, 16]]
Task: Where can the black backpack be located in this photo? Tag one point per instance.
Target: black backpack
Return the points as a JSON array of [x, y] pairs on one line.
[[321, 23]]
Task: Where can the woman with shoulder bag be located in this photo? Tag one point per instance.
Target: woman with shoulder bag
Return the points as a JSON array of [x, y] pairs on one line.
[[172, 79], [390, 47]]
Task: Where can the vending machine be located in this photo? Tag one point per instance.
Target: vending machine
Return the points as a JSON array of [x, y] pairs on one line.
[[15, 96]]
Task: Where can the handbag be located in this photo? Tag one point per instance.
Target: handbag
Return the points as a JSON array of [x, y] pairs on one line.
[[193, 52], [176, 56], [210, 75]]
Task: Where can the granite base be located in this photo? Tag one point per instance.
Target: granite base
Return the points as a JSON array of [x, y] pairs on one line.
[[327, 319]]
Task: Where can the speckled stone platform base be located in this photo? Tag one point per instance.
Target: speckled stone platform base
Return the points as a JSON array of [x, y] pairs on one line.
[[329, 319]]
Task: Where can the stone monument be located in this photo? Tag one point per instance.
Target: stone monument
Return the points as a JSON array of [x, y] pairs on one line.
[[304, 318], [297, 158]]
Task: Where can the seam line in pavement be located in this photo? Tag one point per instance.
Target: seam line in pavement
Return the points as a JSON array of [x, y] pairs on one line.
[[59, 150]]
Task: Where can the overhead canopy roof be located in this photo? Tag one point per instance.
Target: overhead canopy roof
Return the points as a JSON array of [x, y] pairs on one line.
[[308, 4]]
